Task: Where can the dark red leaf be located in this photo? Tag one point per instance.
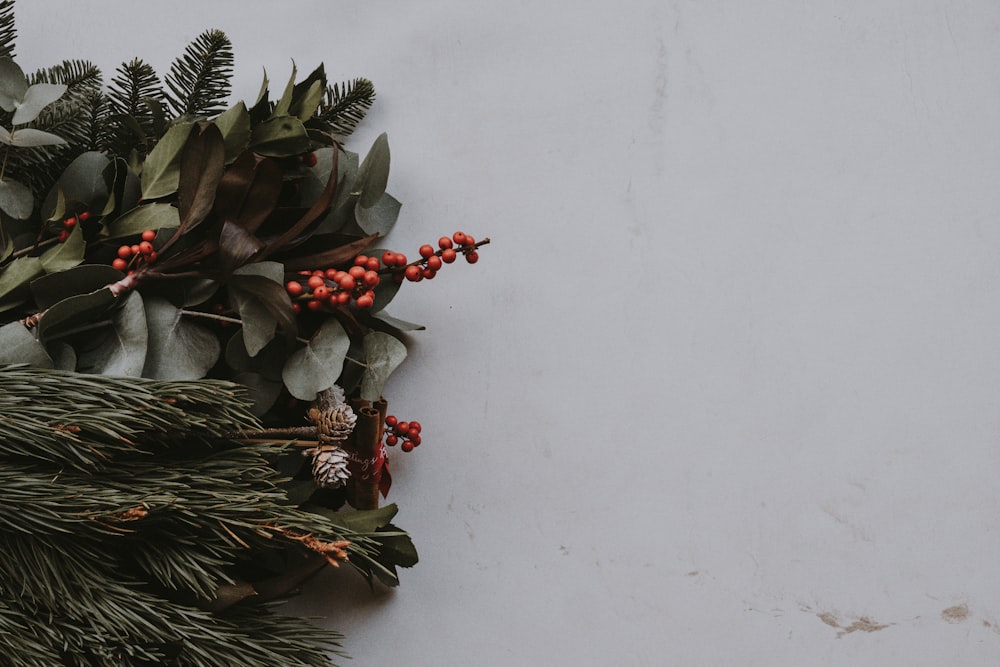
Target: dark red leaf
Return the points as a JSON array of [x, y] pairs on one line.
[[332, 257], [202, 165]]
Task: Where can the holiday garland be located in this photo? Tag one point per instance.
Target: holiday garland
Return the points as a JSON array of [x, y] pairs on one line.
[[193, 348]]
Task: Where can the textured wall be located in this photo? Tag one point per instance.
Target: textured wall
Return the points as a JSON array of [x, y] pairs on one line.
[[724, 389]]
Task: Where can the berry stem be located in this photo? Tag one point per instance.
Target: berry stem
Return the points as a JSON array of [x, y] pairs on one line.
[[437, 253]]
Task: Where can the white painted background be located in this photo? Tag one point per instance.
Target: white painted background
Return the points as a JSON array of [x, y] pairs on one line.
[[725, 389]]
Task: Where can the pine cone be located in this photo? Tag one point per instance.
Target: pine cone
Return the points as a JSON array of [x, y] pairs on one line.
[[329, 466], [333, 417]]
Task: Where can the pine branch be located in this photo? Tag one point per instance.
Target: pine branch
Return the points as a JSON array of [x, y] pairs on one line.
[[346, 105], [133, 85], [8, 31], [198, 83]]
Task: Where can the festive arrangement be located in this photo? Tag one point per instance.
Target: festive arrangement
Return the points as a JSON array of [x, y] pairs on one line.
[[194, 343]]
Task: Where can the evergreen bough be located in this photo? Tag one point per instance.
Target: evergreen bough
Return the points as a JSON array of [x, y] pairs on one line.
[[135, 532]]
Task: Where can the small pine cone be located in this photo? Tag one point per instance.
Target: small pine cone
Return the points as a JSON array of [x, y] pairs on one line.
[[333, 416], [329, 466]]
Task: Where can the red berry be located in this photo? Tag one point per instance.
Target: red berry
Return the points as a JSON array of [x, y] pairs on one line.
[[365, 301], [145, 247], [321, 292], [69, 223], [415, 439], [413, 273], [346, 281], [370, 278], [356, 271], [309, 159], [400, 259], [152, 256], [389, 258], [416, 425], [63, 235], [314, 304], [331, 274], [315, 281], [444, 242], [343, 297], [124, 252], [318, 272], [391, 420], [148, 235], [119, 264], [391, 440], [294, 288], [459, 238], [407, 446], [434, 262], [412, 433], [402, 428], [472, 257], [372, 264], [135, 249], [84, 217], [360, 260], [296, 308], [448, 255], [428, 273], [469, 240], [426, 251]]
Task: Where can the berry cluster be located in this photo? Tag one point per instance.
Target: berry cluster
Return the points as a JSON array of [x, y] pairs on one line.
[[334, 287], [69, 223], [408, 432], [130, 256], [431, 260]]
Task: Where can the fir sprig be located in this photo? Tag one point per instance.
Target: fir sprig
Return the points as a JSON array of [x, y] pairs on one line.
[[198, 83], [8, 31], [346, 104]]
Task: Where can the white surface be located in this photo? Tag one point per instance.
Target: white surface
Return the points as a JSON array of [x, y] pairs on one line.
[[729, 374]]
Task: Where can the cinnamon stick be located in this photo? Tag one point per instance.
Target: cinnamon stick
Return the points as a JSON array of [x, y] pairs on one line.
[[366, 459]]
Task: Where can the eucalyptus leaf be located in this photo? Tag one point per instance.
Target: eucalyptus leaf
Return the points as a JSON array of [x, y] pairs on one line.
[[121, 349], [317, 365], [148, 216], [29, 137], [16, 199], [259, 304], [13, 84], [81, 183], [379, 218], [36, 98], [373, 175], [268, 363], [63, 355], [178, 348], [162, 168], [383, 353], [262, 391], [19, 346], [65, 255]]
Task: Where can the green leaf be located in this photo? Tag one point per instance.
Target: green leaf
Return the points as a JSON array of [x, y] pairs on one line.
[[202, 164], [178, 348], [373, 175], [235, 127], [148, 216], [29, 137], [74, 312], [263, 392], [162, 168], [267, 363], [379, 218], [63, 355], [13, 84], [280, 137], [285, 103], [65, 255], [383, 353], [122, 350], [396, 323], [385, 292], [52, 288], [16, 276], [317, 366], [36, 98], [19, 346], [16, 199], [305, 107], [362, 521], [257, 292], [80, 184]]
